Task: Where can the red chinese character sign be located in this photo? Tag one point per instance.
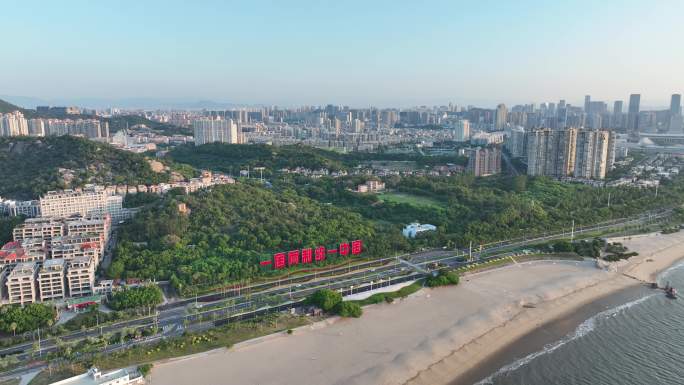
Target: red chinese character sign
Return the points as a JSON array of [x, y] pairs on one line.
[[320, 253], [279, 260], [311, 255], [307, 256], [293, 257], [356, 247]]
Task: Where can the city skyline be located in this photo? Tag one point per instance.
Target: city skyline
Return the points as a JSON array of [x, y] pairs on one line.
[[381, 54], [29, 102]]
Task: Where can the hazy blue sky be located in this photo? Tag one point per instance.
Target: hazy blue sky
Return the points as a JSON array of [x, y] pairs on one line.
[[347, 52]]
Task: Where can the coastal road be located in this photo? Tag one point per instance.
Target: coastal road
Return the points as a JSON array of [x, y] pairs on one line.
[[243, 302]]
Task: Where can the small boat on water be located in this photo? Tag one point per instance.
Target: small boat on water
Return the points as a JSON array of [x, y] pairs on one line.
[[670, 292]]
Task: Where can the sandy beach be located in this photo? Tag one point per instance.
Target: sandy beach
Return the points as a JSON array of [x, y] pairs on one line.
[[433, 336]]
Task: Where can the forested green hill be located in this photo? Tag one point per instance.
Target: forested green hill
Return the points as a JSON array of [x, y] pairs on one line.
[[229, 230], [31, 166]]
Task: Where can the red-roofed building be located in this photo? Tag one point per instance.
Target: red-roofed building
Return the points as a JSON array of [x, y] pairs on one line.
[[74, 246], [14, 252]]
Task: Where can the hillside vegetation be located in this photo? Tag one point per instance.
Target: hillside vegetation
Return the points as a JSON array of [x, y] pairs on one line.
[[6, 107], [229, 230], [231, 158], [31, 166], [481, 210]]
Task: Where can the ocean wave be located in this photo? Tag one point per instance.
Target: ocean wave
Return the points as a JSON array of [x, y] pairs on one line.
[[583, 329], [669, 270]]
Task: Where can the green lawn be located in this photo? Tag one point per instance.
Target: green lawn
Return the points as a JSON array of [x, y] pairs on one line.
[[414, 200]]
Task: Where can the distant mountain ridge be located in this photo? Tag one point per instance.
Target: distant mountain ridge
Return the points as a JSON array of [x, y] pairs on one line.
[[126, 103]]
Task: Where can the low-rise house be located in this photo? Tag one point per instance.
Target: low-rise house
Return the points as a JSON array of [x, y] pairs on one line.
[[413, 229], [371, 186], [95, 377]]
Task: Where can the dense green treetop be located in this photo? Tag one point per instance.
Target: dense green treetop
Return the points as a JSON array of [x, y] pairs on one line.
[[229, 230], [19, 319], [136, 297], [325, 299], [231, 158], [488, 209], [7, 224]]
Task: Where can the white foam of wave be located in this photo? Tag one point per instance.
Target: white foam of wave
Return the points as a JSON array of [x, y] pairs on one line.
[[669, 270], [583, 329]]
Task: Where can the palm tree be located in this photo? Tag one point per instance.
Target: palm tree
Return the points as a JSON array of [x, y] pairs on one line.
[[105, 338]]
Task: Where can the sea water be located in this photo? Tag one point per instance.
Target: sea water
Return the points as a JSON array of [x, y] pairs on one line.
[[640, 342]]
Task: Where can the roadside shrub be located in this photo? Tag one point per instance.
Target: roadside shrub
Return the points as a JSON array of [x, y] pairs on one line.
[[136, 297], [443, 278], [144, 369], [563, 246], [348, 309], [325, 299]]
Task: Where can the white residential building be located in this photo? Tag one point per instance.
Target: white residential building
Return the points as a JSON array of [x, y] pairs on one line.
[[21, 283], [482, 138], [87, 202], [80, 276], [208, 130], [591, 160], [13, 124], [462, 130], [51, 280], [413, 229], [12, 208], [516, 143], [95, 377], [44, 228], [91, 201]]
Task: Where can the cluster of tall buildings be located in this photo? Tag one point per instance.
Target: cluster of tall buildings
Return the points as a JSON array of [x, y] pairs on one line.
[[53, 258], [597, 115], [570, 152], [15, 124], [55, 252], [221, 130], [320, 126], [483, 161]]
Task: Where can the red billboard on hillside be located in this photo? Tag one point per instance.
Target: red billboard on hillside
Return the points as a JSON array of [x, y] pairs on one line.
[[306, 256]]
